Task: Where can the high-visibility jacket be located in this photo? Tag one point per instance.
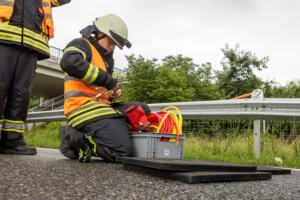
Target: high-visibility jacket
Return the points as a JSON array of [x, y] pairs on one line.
[[86, 76], [28, 23]]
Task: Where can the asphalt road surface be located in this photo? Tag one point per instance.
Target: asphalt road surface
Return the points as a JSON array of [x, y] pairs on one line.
[[49, 175]]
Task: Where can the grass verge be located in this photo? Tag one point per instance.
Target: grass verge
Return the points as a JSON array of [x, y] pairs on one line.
[[239, 149], [234, 148], [44, 135]]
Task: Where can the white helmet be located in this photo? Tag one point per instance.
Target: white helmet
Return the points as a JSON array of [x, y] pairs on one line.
[[115, 28]]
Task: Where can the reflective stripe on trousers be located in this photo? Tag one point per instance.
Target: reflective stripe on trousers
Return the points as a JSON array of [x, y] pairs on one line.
[[13, 126]]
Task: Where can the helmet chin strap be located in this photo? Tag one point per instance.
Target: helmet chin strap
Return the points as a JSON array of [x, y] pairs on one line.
[[99, 38]]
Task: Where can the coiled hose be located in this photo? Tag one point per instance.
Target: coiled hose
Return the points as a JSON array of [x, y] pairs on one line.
[[169, 120]]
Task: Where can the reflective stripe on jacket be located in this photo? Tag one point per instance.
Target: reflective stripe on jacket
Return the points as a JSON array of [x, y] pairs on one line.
[[18, 35], [28, 23], [48, 27]]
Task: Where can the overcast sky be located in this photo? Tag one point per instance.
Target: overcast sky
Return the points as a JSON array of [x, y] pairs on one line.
[[196, 29]]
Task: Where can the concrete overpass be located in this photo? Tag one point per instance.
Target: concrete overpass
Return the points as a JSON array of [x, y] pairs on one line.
[[49, 78]]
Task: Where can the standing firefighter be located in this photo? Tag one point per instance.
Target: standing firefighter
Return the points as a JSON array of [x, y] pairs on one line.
[[25, 28], [97, 126]]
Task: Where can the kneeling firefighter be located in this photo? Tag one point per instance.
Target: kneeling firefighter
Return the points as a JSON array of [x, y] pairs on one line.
[[96, 125]]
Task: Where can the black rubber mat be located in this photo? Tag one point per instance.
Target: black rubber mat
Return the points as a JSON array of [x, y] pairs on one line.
[[186, 165], [274, 170], [202, 176]]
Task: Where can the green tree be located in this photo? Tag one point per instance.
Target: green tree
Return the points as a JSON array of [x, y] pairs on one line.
[[206, 87], [290, 90], [140, 74], [171, 86], [268, 88], [153, 83], [237, 76], [199, 77]]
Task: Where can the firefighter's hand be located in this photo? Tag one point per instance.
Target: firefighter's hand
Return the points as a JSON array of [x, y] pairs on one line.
[[116, 92]]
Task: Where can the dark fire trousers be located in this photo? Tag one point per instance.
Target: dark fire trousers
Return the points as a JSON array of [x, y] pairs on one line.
[[112, 135], [17, 68]]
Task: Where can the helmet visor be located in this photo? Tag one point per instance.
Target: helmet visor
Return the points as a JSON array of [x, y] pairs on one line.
[[120, 40]]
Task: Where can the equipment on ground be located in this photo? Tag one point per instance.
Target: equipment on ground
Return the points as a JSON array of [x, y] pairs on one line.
[[153, 135], [169, 120]]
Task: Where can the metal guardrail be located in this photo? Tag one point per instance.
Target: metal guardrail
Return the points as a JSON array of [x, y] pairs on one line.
[[46, 116], [276, 109], [253, 109]]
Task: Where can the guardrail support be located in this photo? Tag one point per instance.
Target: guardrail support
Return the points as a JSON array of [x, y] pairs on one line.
[[257, 138], [257, 94]]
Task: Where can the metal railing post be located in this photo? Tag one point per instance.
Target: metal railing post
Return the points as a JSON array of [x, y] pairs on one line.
[[257, 138], [257, 94]]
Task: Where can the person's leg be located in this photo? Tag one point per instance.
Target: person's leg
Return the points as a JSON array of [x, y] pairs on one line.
[[8, 57], [17, 103], [3, 95], [111, 137]]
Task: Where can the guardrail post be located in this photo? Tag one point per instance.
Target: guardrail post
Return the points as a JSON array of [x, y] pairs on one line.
[[257, 138], [257, 94]]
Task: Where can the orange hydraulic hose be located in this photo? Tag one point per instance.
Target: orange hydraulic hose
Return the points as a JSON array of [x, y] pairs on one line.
[[243, 96]]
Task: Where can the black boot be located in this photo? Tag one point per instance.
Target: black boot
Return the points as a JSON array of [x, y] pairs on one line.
[[70, 141], [19, 150], [85, 151], [14, 143]]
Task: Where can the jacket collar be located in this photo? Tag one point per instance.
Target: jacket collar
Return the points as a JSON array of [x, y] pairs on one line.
[[108, 59]]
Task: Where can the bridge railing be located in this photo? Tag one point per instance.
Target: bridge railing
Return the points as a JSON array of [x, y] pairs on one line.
[[52, 104], [57, 53]]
